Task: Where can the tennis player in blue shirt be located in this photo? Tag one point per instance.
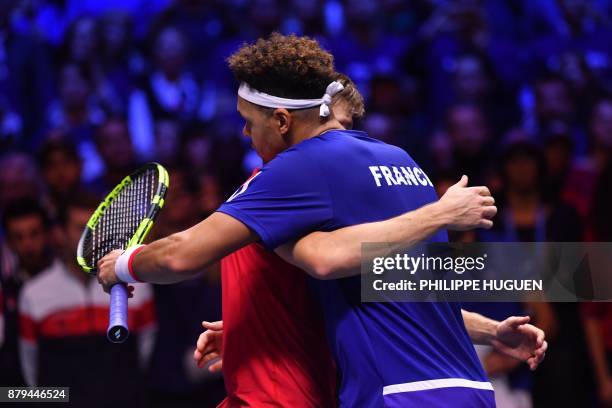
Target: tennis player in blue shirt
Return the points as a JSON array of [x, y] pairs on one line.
[[319, 177]]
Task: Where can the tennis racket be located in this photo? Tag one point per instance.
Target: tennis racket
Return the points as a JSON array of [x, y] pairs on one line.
[[121, 221]]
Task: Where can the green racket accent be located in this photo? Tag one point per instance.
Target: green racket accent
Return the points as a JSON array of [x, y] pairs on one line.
[[93, 221], [125, 217]]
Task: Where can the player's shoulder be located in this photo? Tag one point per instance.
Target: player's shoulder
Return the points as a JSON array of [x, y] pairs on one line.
[[331, 149]]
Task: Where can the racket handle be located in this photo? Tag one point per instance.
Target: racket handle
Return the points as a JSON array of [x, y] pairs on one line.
[[117, 325]]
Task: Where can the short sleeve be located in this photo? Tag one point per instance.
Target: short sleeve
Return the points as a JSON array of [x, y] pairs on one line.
[[285, 200]]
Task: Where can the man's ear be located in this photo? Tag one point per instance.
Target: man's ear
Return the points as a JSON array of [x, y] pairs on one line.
[[283, 118]]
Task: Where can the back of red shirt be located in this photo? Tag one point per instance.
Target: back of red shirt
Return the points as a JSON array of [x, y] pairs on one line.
[[274, 346]]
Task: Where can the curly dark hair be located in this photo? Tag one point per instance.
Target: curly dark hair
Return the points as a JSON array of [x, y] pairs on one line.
[[284, 66]]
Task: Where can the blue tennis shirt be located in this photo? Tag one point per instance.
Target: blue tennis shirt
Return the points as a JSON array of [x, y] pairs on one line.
[[387, 354]]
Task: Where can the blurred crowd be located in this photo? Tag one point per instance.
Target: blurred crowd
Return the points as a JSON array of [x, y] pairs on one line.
[[515, 94]]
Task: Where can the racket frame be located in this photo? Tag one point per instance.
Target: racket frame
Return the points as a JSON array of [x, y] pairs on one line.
[[145, 225]]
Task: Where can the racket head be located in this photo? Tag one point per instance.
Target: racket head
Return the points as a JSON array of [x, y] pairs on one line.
[[125, 216]]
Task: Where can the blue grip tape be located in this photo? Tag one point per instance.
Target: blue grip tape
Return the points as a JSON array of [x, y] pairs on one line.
[[117, 327]]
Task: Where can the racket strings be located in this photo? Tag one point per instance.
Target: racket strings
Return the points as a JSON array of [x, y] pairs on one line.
[[120, 221]]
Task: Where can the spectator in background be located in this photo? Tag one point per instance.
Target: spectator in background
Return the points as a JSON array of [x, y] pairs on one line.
[[526, 215], [168, 142], [63, 317], [122, 64], [25, 74], [60, 165], [265, 15], [11, 128], [82, 43], [573, 26], [558, 151], [386, 110], [19, 184], [19, 179], [76, 111], [474, 82], [585, 172], [25, 224], [470, 138], [554, 106], [181, 309], [363, 49], [580, 78], [304, 17], [76, 114], [510, 379], [114, 146], [210, 153], [203, 23], [458, 28], [84, 46], [203, 153], [597, 317], [169, 92]]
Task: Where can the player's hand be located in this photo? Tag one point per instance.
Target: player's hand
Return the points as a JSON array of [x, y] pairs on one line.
[[210, 346], [467, 207], [106, 269], [521, 340]]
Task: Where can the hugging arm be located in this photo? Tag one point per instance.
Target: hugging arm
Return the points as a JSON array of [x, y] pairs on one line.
[[337, 254]]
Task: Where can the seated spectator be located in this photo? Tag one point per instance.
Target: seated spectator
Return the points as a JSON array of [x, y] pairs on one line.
[[597, 317], [11, 128], [63, 318], [525, 215], [76, 110], [558, 151], [470, 137], [169, 92], [76, 113], [26, 225], [61, 167], [121, 64], [584, 175], [19, 179], [474, 82], [114, 146], [168, 142], [553, 105]]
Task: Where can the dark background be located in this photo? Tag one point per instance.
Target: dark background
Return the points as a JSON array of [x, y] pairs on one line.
[[515, 94]]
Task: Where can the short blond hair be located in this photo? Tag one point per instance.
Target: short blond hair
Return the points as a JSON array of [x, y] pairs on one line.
[[351, 95]]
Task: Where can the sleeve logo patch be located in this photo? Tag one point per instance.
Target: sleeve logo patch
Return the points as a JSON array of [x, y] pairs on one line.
[[243, 187]]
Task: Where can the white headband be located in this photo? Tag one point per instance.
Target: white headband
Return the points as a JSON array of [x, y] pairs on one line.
[[263, 99]]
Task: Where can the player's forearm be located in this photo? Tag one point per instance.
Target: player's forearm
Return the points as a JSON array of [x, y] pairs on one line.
[[338, 254], [482, 330], [162, 261], [185, 254]]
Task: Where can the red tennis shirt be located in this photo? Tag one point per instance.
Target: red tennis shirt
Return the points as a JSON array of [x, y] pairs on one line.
[[274, 347]]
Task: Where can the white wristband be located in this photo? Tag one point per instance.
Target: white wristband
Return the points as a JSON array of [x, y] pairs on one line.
[[122, 266]]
